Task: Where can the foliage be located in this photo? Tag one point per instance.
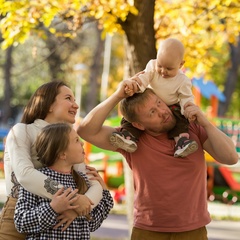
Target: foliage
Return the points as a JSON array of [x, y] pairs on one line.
[[22, 18], [203, 26], [29, 71]]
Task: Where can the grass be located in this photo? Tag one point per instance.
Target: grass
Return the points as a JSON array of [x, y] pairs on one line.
[[225, 218]]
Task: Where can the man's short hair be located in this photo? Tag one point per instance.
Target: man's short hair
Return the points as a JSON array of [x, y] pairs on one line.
[[129, 106]]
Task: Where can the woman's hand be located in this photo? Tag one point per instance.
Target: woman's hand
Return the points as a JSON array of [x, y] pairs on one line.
[[96, 176]]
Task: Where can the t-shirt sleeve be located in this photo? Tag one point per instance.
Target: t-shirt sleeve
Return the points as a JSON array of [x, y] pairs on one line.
[[199, 131], [185, 93], [147, 76]]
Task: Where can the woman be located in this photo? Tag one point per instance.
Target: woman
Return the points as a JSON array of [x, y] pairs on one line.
[[58, 148], [51, 103]]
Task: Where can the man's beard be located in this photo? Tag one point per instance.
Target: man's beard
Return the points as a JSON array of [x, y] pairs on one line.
[[164, 129]]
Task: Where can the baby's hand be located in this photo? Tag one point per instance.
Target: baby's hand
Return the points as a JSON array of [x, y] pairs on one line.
[[192, 119], [128, 91]]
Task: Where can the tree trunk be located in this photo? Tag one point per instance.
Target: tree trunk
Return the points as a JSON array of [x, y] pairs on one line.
[[232, 77], [7, 111], [140, 34], [54, 59], [96, 67]]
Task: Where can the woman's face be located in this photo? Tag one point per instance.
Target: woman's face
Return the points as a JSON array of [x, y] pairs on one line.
[[64, 108]]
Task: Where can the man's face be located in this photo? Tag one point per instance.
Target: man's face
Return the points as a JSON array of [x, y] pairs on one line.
[[155, 116]]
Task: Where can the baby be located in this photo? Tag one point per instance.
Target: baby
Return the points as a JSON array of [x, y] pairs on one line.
[[165, 77]]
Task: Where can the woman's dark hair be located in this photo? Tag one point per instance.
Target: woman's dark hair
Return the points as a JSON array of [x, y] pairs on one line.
[[53, 140], [41, 101]]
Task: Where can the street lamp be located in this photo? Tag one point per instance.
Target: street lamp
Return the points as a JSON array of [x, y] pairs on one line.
[[106, 67], [79, 68]]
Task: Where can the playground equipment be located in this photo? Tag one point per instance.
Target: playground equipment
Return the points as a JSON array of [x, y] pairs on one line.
[[110, 167], [223, 181], [3, 134]]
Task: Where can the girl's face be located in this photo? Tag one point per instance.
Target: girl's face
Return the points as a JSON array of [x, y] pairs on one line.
[[64, 108], [74, 152]]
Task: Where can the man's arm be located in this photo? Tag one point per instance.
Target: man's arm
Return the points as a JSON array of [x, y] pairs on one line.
[[218, 144], [91, 128]]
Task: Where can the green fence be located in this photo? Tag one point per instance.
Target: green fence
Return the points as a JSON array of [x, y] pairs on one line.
[[231, 128]]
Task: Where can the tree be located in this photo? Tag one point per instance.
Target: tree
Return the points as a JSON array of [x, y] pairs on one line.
[[203, 26], [6, 110], [95, 68], [136, 27], [232, 76]]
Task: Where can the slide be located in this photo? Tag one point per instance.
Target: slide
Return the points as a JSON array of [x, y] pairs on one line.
[[228, 176]]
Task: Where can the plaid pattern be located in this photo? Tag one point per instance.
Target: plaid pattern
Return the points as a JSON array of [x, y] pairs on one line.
[[33, 214]]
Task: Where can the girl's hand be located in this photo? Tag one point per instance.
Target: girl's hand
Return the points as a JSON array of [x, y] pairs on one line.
[[84, 205], [64, 199], [66, 218]]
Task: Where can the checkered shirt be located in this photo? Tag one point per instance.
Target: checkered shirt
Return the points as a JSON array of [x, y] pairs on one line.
[[34, 215]]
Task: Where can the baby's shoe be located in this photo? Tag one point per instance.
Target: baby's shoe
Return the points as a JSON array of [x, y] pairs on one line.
[[124, 140], [185, 147]]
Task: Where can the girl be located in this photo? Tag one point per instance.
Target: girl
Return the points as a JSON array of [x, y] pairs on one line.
[[58, 148], [51, 103]]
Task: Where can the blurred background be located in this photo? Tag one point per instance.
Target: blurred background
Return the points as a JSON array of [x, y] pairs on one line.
[[93, 45]]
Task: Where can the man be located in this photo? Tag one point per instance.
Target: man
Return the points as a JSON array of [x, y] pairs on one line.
[[170, 193]]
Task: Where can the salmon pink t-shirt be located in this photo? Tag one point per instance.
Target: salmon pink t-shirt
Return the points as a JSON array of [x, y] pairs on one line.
[[170, 193]]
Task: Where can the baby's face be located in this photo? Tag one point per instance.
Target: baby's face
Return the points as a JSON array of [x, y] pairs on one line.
[[167, 66]]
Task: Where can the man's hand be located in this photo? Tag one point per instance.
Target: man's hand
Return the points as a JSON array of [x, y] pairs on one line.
[[192, 118], [193, 112], [131, 85]]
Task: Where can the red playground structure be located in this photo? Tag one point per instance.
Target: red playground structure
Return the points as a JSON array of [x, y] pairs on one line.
[[223, 181]]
